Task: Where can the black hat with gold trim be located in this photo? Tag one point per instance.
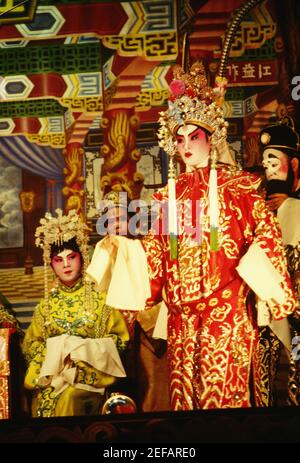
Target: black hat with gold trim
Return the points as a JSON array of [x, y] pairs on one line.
[[281, 136]]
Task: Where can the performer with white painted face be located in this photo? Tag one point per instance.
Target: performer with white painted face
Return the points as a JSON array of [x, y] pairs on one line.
[[281, 161], [193, 146], [72, 343], [205, 282]]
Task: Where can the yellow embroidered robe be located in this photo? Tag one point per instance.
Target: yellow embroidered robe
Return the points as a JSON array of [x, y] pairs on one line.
[[66, 314]]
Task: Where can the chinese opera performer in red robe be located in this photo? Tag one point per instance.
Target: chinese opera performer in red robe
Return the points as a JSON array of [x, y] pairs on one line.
[[224, 247]]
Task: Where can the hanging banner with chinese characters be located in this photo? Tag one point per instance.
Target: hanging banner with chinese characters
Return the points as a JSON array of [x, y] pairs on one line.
[[252, 73]]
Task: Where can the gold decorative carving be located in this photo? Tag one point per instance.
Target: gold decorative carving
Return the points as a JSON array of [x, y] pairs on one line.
[[85, 105], [120, 153], [73, 189], [119, 139], [119, 182], [57, 140], [251, 35], [147, 100], [151, 46], [27, 201]]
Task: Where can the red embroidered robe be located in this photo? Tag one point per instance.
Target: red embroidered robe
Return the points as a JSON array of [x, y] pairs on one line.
[[212, 330]]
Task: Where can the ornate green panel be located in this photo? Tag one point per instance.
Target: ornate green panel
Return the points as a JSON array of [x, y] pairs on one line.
[[31, 108], [61, 59]]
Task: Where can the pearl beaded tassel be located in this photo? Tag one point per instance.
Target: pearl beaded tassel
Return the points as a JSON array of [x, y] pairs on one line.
[[213, 203], [172, 210]]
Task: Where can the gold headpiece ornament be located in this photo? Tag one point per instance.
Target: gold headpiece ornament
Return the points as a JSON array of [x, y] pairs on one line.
[[57, 231], [192, 101]]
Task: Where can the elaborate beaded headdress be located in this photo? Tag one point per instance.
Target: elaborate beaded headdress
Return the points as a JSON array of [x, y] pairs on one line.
[[57, 231], [60, 229], [192, 101]]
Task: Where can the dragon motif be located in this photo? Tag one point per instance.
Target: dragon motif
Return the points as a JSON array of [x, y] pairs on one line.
[[74, 179]]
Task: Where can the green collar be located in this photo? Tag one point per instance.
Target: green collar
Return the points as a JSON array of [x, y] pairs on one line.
[[71, 289]]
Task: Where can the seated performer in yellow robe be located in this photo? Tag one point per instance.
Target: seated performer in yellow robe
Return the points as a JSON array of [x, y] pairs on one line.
[[72, 343]]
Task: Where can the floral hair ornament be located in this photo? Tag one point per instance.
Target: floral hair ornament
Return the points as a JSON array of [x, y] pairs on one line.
[[57, 231], [193, 101]]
